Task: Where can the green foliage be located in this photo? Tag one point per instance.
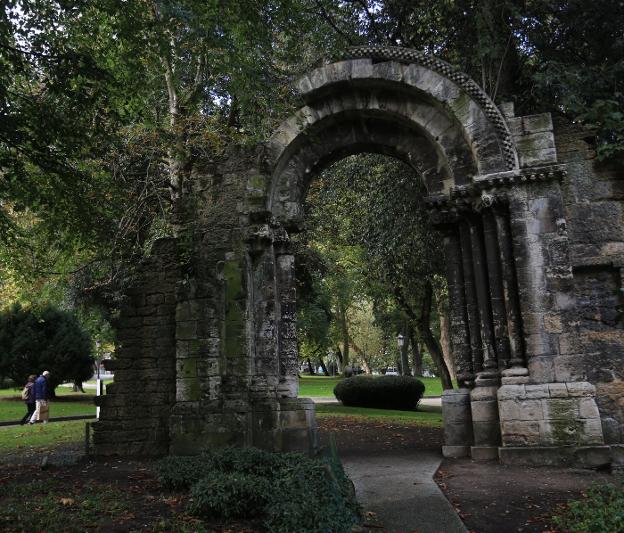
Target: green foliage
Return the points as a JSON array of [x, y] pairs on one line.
[[33, 340], [385, 392], [182, 472], [220, 494], [288, 492], [601, 510]]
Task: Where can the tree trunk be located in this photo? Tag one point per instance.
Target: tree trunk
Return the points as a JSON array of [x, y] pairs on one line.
[[339, 360], [423, 325], [310, 367], [346, 340], [416, 353], [405, 366], [322, 363], [445, 340], [424, 329]]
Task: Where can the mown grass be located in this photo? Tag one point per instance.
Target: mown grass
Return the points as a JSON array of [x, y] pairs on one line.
[[322, 386], [425, 415], [67, 403], [39, 436]]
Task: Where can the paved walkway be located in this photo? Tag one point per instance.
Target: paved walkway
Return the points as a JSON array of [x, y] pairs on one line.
[[399, 490]]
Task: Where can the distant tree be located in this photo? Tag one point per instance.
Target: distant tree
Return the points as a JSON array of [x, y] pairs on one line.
[[34, 340]]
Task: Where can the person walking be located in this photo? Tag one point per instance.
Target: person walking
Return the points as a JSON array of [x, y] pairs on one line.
[[42, 395], [28, 395]]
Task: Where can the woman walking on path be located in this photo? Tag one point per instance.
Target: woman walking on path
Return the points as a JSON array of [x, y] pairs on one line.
[[28, 395], [42, 395]]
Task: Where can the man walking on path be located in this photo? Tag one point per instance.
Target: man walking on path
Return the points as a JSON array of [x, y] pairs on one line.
[[42, 394]]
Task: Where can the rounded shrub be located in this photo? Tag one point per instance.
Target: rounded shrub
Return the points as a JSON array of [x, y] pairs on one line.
[[285, 492], [383, 392]]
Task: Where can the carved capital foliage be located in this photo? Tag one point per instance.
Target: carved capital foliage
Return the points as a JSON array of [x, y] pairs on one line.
[[486, 192]]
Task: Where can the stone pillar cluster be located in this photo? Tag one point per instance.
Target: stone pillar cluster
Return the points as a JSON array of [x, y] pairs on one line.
[[485, 320], [509, 280]]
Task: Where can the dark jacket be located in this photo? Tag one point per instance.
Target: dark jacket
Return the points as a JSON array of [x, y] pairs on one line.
[[41, 388]]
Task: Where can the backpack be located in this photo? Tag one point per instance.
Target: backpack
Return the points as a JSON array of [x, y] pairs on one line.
[[26, 393]]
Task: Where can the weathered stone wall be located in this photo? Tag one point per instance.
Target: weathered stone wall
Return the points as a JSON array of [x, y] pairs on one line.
[[134, 415], [593, 349], [235, 321]]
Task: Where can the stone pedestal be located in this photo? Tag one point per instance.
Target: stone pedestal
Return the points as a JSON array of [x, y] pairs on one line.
[[457, 423], [285, 425], [485, 423], [551, 423]]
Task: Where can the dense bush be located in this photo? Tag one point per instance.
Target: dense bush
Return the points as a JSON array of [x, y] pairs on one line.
[[602, 510], [226, 495], [384, 392], [289, 493], [34, 340]]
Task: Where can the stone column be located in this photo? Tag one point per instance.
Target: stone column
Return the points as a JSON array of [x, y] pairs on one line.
[[460, 336], [456, 403], [490, 364], [472, 311], [483, 401], [497, 300], [510, 289], [287, 349]]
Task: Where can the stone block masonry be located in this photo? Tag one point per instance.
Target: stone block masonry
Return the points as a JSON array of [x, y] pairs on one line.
[[549, 414], [134, 415]]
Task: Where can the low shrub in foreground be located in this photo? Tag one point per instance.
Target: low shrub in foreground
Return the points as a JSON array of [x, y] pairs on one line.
[[600, 511], [289, 493], [384, 392]]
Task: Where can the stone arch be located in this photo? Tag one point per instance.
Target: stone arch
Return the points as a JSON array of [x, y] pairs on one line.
[[394, 101], [215, 342]]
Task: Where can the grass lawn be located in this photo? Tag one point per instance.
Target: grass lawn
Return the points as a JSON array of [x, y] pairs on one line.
[[68, 403], [425, 415], [33, 438], [320, 386]]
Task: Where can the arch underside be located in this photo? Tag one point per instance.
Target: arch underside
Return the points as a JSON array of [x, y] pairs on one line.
[[405, 111]]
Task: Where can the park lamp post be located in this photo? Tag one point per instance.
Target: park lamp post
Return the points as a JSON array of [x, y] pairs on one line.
[[401, 343]]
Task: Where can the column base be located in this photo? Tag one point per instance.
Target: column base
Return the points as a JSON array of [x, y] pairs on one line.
[[455, 452], [581, 456], [285, 425], [484, 453]]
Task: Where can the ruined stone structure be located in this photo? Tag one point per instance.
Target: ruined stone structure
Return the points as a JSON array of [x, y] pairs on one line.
[[534, 246]]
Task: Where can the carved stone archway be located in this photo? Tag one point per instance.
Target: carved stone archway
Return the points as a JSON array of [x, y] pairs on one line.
[[494, 188]]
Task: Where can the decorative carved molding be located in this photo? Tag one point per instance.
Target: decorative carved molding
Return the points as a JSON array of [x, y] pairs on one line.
[[407, 55], [486, 191]]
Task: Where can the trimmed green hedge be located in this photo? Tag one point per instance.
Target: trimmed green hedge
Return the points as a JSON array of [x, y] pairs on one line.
[[383, 392], [288, 492]]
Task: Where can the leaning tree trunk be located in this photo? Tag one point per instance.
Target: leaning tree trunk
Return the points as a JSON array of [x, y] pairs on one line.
[[424, 330], [423, 325], [445, 341], [323, 367]]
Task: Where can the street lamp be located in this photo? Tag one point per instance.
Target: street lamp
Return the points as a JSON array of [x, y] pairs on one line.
[[400, 341], [402, 354]]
